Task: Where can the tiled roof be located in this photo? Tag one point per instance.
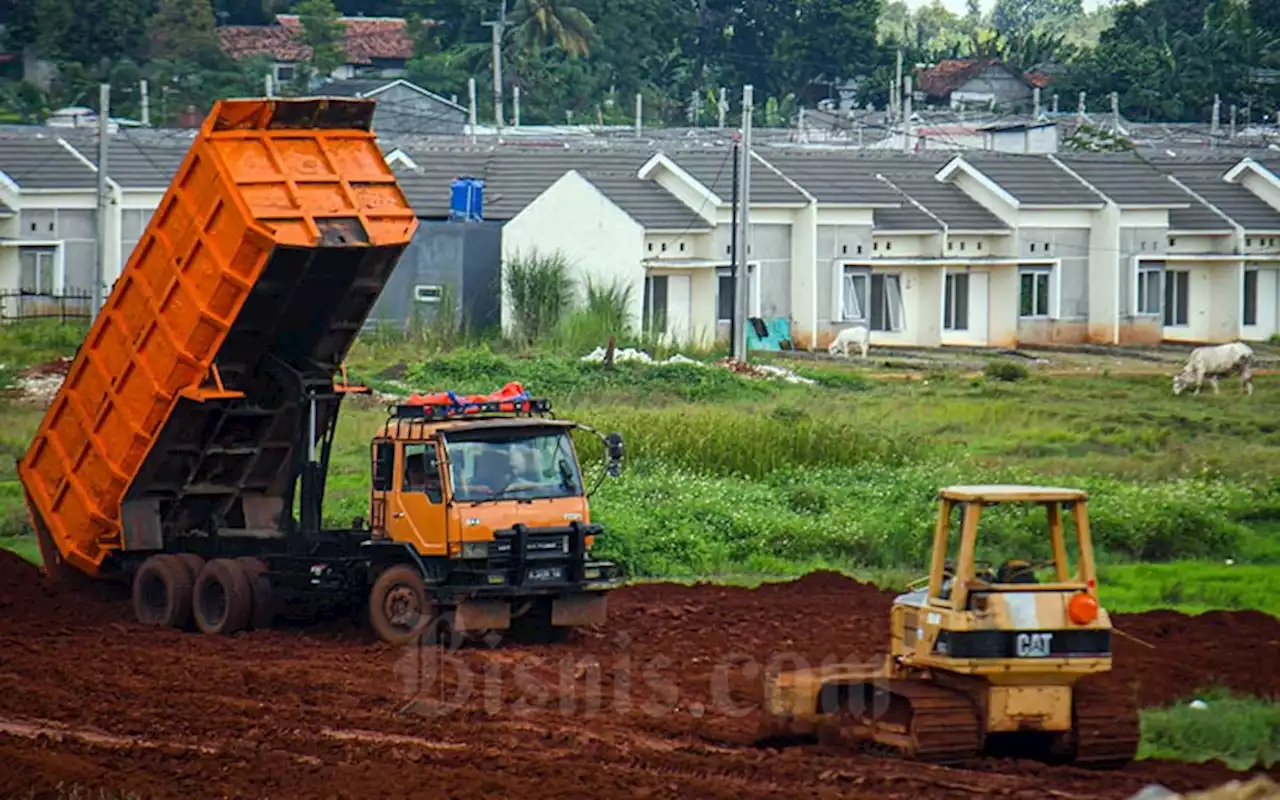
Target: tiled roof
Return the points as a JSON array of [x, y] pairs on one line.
[[943, 200], [514, 178], [648, 203], [906, 218], [1241, 205], [950, 74], [836, 177], [135, 163], [43, 163], [1126, 179], [714, 170], [367, 39], [1033, 180]]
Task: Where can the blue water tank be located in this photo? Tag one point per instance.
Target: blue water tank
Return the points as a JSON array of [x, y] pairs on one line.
[[466, 200]]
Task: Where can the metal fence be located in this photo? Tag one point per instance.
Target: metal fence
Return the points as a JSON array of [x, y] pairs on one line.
[[71, 304]]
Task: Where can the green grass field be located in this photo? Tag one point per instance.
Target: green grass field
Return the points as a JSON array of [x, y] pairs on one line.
[[1242, 731]]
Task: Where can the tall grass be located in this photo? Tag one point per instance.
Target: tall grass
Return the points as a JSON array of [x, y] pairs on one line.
[[605, 312], [1242, 731], [540, 291]]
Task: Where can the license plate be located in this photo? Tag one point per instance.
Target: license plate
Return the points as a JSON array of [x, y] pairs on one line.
[[545, 574]]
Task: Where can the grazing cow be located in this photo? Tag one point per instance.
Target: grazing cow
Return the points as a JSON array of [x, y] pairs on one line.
[[1214, 363], [858, 334]]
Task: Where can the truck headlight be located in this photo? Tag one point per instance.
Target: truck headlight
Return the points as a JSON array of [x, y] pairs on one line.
[[475, 549], [591, 573]]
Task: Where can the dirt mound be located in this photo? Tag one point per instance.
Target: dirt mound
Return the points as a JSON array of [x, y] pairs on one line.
[[663, 701]]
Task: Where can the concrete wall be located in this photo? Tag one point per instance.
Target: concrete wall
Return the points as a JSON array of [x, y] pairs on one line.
[[998, 81], [600, 240], [770, 245], [836, 244], [401, 110], [76, 228], [1002, 308], [465, 257]]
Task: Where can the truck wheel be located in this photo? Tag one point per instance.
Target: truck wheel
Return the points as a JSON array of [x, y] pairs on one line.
[[162, 592], [193, 563], [222, 599], [398, 608], [260, 592]]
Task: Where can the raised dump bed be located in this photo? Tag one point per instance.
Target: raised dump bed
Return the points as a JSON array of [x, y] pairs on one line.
[[180, 413]]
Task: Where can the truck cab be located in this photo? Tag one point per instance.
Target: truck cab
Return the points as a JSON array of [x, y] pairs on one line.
[[490, 500]]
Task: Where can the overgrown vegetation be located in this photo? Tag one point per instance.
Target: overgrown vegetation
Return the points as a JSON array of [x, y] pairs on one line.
[[1242, 731], [539, 288], [727, 475]]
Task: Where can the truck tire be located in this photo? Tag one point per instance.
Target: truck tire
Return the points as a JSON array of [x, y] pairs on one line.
[[263, 607], [162, 592], [193, 563], [222, 599], [398, 607]]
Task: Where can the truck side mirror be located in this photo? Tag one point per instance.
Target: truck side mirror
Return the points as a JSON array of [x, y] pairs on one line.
[[613, 444]]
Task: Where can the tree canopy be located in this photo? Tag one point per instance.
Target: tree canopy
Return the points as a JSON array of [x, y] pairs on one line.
[[584, 60]]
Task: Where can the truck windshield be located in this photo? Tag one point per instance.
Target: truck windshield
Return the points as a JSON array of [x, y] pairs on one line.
[[507, 465]]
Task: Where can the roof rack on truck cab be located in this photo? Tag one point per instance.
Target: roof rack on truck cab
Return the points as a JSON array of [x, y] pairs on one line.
[[472, 410]]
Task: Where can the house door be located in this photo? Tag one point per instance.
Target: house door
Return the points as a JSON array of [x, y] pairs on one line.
[[964, 309], [679, 308]]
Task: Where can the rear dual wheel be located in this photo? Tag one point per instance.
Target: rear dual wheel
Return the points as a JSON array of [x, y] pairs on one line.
[[221, 596]]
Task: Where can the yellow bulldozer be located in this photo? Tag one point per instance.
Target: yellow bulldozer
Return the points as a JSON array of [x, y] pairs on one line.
[[982, 660]]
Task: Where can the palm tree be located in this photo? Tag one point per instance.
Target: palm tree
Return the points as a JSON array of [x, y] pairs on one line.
[[538, 22]]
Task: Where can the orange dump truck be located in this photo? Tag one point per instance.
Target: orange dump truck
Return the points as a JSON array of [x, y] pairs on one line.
[[187, 449]]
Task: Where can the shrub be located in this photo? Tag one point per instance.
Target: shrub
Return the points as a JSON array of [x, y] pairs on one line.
[[1008, 371], [606, 313], [540, 290]]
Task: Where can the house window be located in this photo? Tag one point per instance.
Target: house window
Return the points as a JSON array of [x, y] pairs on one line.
[[873, 299], [284, 73], [955, 314], [724, 295], [1176, 283], [1149, 290], [655, 305], [1034, 295], [1250, 297], [979, 245], [37, 270], [426, 293]]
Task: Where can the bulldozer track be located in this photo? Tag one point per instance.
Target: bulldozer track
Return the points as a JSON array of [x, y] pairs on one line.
[[922, 723], [1105, 724]]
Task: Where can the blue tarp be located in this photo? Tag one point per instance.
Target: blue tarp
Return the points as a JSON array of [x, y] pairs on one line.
[[779, 330]]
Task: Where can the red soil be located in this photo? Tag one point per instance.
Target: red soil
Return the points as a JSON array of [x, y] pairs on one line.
[[657, 704]]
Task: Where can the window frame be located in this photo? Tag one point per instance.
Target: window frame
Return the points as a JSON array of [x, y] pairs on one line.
[[952, 308], [1143, 273], [1181, 300], [1249, 313], [892, 314], [1036, 273], [434, 494], [724, 274]]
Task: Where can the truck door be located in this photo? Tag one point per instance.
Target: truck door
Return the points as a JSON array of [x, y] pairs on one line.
[[384, 471], [416, 506]]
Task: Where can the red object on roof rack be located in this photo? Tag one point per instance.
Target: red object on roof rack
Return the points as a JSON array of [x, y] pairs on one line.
[[508, 398]]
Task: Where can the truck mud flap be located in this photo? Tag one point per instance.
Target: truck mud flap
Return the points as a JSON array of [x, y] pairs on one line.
[[480, 615], [579, 609]]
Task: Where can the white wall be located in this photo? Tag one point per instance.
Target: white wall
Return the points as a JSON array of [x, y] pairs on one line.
[[600, 240], [1268, 323]]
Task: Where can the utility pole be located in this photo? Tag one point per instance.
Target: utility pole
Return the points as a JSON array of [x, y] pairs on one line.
[[1233, 120], [497, 28], [515, 106], [907, 133], [268, 85], [733, 252], [1115, 112], [471, 113], [743, 278], [1055, 104], [897, 88], [723, 106], [100, 265], [146, 103], [1217, 115], [1035, 103], [639, 113], [1080, 117]]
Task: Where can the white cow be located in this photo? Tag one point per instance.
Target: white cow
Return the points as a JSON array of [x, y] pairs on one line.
[[1214, 363], [858, 334]]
